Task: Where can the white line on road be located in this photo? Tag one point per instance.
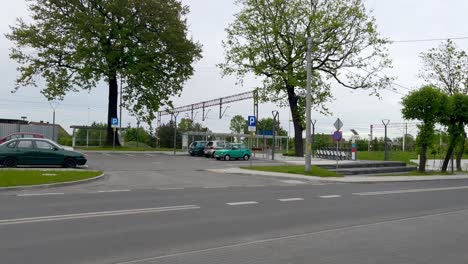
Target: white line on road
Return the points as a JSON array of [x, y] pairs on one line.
[[112, 191], [215, 187], [254, 186], [167, 189], [413, 191], [258, 242], [291, 199], [94, 214], [38, 194], [330, 196], [130, 155], [243, 203], [149, 155], [107, 154]]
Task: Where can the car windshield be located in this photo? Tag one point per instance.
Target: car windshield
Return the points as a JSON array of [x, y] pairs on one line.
[[201, 144]]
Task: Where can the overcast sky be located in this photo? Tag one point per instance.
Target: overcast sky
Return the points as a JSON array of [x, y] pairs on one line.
[[396, 19]]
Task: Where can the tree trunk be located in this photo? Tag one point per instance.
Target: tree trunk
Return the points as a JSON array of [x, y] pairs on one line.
[[297, 121], [423, 158], [112, 110], [448, 156], [460, 153]]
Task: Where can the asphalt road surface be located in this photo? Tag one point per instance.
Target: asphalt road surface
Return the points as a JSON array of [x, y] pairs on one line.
[[237, 222]]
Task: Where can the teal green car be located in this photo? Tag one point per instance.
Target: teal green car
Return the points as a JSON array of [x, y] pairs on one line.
[[233, 151], [38, 152]]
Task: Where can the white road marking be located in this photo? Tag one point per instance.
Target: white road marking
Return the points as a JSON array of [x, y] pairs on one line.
[[94, 214], [149, 155], [130, 155], [293, 182], [38, 194], [167, 189], [330, 196], [243, 203], [156, 162], [215, 187], [254, 186], [107, 154], [291, 199], [413, 191], [257, 242], [111, 191]]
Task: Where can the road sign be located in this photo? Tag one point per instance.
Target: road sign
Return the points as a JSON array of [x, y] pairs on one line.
[[265, 132], [252, 120], [114, 122], [338, 124], [337, 135]]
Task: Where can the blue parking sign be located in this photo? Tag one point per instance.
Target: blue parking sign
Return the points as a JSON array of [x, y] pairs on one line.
[[252, 121], [115, 122]]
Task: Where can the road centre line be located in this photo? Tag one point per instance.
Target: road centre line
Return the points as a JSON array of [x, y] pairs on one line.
[[94, 214], [330, 196], [242, 203], [412, 191], [38, 194], [291, 199], [149, 155], [258, 242], [130, 155], [168, 189], [112, 191]]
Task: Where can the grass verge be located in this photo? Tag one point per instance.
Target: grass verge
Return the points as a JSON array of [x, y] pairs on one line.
[[10, 178], [315, 171]]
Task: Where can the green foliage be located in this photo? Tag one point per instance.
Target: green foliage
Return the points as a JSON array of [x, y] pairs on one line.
[[396, 156], [136, 135], [64, 138], [75, 44], [268, 39], [447, 67], [166, 136], [428, 105], [267, 124], [238, 124]]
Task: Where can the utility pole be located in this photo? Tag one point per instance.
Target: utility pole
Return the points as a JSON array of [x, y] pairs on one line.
[[175, 131], [404, 137], [275, 118], [120, 106], [54, 105], [308, 158], [385, 122], [313, 137], [371, 135]]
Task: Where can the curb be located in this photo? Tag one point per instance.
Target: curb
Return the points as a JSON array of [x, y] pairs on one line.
[[346, 179], [49, 185]]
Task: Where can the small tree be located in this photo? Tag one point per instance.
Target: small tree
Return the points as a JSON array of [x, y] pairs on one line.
[[427, 105]]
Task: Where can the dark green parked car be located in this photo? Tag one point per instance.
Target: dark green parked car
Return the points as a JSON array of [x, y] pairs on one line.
[[233, 151], [196, 148], [38, 152]]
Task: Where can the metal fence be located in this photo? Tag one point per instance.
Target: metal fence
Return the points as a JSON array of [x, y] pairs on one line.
[[46, 130]]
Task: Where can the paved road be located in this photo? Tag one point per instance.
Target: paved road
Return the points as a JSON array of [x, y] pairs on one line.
[[332, 223]]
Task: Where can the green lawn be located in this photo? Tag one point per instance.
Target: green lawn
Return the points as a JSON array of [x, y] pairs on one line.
[[9, 178], [296, 169], [394, 156]]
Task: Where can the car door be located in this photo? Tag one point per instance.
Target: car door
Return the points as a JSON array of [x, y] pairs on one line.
[[48, 154], [235, 152], [26, 153]]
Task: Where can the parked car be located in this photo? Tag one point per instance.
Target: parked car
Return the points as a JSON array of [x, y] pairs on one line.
[[197, 148], [233, 151], [20, 135], [36, 151], [212, 146]]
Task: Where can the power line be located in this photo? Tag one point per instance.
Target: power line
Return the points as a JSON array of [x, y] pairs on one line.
[[426, 40]]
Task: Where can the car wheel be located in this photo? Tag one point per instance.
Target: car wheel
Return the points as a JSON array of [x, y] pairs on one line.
[[10, 162], [218, 158], [207, 156], [69, 163], [192, 154], [227, 158], [246, 157], [213, 154]]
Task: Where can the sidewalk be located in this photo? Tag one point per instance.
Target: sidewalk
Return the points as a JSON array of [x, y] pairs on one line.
[[347, 179]]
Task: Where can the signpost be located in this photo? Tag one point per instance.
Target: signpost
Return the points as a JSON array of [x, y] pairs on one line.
[[337, 136], [252, 122], [114, 125]]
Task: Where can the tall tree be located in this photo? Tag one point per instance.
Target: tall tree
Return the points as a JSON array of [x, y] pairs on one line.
[[427, 105], [74, 44], [238, 124], [446, 66], [268, 39]]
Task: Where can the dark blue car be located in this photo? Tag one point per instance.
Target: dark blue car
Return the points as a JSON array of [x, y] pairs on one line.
[[196, 148]]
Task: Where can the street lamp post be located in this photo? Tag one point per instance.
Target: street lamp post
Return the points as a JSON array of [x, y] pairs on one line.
[[275, 118]]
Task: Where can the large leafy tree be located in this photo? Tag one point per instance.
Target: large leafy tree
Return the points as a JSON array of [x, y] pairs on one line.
[[238, 124], [427, 104], [446, 66], [75, 44], [269, 39]]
